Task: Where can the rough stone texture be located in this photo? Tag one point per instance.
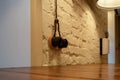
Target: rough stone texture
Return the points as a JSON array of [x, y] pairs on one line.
[[81, 23]]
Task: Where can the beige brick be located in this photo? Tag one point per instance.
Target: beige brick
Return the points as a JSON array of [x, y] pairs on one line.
[[82, 24]]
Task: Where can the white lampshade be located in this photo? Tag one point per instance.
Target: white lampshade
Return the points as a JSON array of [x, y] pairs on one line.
[[108, 4]]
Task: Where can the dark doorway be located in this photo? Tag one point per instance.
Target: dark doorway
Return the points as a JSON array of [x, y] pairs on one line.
[[117, 36]]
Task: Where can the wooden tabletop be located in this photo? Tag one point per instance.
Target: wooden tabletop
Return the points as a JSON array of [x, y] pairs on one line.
[[78, 72]]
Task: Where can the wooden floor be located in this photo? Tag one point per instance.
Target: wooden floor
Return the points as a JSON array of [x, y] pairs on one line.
[[79, 72]]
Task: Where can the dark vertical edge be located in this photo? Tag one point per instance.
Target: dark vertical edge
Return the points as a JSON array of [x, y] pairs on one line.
[[117, 16], [101, 46], [116, 12]]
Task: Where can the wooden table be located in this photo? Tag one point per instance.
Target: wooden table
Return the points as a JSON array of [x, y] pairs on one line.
[[79, 72]]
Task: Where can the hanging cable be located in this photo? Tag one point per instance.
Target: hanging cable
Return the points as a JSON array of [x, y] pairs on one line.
[[56, 9], [56, 21], [57, 42]]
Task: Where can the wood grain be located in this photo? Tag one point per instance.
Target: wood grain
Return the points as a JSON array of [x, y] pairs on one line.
[[78, 72]]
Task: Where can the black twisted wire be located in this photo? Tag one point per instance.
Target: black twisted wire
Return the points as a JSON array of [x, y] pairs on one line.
[[56, 21]]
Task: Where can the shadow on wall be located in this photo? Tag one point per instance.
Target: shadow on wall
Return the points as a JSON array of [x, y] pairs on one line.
[[54, 57], [80, 10], [100, 17]]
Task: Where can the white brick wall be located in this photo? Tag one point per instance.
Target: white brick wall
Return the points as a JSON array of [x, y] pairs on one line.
[[81, 23]]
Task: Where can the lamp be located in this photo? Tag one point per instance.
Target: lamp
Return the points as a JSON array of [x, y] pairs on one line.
[[108, 4]]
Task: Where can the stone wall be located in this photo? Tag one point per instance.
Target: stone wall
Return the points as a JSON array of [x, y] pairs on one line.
[[81, 23]]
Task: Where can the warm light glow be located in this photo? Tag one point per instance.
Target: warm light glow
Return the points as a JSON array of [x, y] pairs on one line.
[[108, 4]]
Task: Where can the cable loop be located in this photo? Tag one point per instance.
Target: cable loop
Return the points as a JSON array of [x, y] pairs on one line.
[[56, 21]]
